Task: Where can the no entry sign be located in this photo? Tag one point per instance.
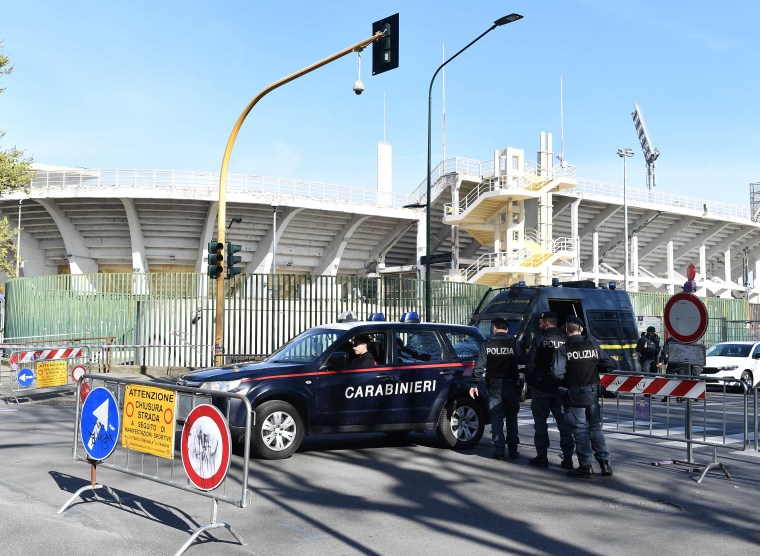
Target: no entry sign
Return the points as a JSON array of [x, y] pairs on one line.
[[206, 447], [685, 317]]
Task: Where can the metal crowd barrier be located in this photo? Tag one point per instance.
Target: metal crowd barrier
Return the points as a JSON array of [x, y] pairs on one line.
[[151, 445], [648, 405], [34, 367]]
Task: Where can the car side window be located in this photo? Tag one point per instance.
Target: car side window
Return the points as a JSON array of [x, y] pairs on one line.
[[756, 352], [465, 344], [417, 346]]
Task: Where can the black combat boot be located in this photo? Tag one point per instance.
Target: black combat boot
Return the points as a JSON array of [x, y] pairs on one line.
[[605, 468], [567, 463], [583, 471], [539, 461]]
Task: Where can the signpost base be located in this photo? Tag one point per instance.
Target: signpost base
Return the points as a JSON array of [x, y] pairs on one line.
[[213, 525]]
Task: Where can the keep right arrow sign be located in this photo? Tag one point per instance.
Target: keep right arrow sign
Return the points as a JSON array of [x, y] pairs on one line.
[[685, 317]]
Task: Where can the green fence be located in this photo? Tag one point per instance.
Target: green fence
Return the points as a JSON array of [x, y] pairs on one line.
[[168, 319]]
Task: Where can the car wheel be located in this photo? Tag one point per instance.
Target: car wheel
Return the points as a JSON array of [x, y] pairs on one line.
[[461, 423], [278, 431], [747, 377]]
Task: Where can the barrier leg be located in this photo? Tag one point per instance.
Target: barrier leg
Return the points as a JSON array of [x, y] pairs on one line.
[[213, 525], [92, 486], [715, 464]]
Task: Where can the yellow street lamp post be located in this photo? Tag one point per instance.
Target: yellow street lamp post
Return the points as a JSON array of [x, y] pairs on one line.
[[222, 216]]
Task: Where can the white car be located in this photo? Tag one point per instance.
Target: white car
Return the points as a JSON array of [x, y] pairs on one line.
[[737, 360]]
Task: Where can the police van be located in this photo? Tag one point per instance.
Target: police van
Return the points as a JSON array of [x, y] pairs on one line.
[[418, 378], [607, 314]]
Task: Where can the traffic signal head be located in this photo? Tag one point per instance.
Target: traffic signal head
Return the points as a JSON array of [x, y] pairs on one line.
[[233, 259], [215, 258], [385, 50]]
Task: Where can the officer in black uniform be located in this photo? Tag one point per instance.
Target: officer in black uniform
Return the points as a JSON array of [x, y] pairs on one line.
[[497, 363], [544, 399], [363, 358], [577, 364], [648, 348]]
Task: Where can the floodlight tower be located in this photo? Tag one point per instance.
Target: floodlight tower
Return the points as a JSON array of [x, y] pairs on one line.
[[650, 153]]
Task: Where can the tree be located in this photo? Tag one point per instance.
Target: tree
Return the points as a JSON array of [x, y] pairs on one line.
[[15, 173]]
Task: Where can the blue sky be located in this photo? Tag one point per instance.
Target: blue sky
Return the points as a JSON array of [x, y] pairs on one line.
[[159, 85]]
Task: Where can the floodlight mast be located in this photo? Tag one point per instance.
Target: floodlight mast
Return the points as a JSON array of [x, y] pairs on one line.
[[650, 153]]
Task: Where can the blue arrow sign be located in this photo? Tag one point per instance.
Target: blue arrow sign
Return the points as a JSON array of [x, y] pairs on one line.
[[100, 424], [25, 377]]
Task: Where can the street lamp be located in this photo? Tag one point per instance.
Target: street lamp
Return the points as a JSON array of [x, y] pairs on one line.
[[625, 153], [428, 280]]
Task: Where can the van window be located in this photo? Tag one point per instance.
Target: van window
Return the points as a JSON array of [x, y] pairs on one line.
[[611, 325]]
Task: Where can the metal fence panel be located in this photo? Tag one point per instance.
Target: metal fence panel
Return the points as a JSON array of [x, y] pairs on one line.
[[173, 314]]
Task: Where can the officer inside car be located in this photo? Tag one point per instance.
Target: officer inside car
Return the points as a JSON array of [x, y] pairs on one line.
[[544, 399], [497, 363], [577, 365]]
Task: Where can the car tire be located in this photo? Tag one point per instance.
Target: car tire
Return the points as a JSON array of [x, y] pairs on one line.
[[461, 423], [278, 431], [748, 378]]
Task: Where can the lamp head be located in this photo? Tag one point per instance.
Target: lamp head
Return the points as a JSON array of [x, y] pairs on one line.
[[625, 152], [507, 19]]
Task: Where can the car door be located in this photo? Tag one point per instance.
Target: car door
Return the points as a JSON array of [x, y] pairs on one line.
[[424, 370], [355, 398]]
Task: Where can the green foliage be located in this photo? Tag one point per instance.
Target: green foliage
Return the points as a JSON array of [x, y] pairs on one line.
[[15, 174]]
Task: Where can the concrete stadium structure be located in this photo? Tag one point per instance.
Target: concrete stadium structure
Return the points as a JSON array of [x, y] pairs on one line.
[[504, 219]]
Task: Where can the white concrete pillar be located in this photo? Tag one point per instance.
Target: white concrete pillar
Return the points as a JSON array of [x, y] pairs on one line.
[[671, 270], [701, 290], [595, 255], [635, 262]]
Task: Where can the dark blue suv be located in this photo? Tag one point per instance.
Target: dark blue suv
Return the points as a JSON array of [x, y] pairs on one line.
[[314, 384]]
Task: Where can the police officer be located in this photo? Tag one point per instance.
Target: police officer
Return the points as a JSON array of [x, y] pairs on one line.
[[497, 363], [544, 399], [577, 364], [648, 348]]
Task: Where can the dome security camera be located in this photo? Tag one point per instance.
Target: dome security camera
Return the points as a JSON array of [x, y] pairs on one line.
[[358, 87]]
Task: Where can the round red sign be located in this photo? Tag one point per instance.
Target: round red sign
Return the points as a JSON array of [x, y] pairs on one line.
[[685, 317], [206, 447]]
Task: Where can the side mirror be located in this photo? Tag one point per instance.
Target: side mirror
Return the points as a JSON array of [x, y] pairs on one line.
[[338, 359], [756, 355]]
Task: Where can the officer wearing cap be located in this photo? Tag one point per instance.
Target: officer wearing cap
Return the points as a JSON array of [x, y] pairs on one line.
[[577, 364], [497, 363], [544, 399], [361, 350], [648, 348]]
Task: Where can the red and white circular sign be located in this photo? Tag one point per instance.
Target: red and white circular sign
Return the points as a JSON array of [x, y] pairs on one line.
[[77, 372], [685, 317], [206, 447]]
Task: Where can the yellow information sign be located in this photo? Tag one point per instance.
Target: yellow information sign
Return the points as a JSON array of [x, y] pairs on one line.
[[52, 373], [148, 420]]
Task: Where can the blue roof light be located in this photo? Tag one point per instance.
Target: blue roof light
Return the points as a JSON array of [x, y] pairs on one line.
[[411, 316]]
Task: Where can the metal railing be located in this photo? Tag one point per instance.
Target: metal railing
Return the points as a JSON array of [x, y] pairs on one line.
[[633, 194], [681, 409], [191, 183]]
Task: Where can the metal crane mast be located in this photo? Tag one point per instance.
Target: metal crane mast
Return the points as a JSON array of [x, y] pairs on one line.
[[650, 153]]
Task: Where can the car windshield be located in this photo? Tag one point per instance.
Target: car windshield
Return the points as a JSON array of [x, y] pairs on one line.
[[729, 350], [306, 347]]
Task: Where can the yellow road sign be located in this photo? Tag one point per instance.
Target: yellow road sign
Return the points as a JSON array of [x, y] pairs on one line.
[[148, 421], [52, 373]]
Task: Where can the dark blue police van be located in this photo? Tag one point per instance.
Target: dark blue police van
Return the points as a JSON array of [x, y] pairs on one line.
[[607, 314], [312, 384]]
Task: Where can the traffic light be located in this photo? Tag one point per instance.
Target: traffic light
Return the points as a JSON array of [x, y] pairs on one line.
[[233, 259], [215, 258], [385, 51]]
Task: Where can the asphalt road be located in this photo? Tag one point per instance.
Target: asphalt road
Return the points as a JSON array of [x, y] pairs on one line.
[[373, 494]]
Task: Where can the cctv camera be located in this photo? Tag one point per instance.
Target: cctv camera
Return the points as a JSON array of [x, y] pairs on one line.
[[358, 87]]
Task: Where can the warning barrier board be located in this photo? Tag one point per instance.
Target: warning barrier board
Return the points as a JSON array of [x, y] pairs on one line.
[[52, 373], [681, 388], [148, 423]]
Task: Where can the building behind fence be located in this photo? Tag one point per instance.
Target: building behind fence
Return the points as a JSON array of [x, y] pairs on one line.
[[172, 315]]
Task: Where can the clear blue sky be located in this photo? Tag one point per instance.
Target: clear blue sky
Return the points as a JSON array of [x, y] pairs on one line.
[[159, 85]]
